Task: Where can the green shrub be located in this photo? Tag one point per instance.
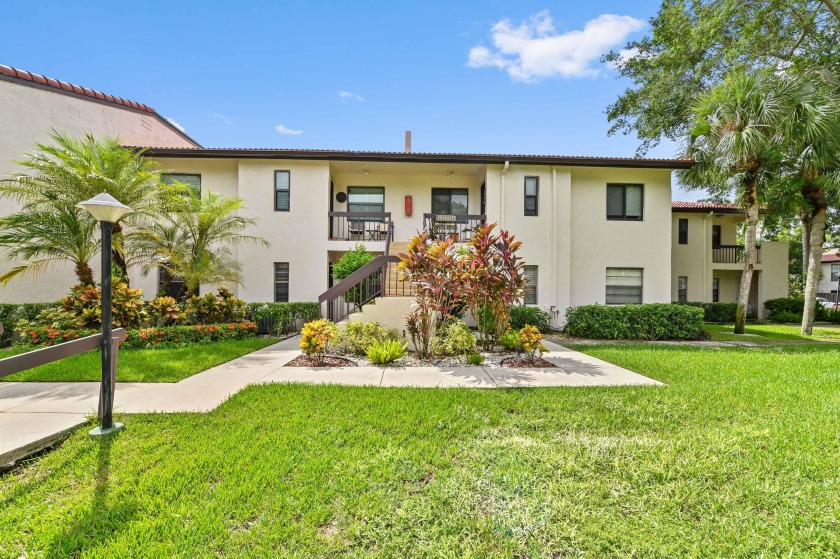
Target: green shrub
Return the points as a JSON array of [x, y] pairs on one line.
[[85, 303], [142, 338], [635, 322], [475, 358], [510, 341], [715, 312], [164, 311], [349, 262], [794, 305], [8, 318], [382, 352], [522, 315], [280, 318], [215, 309], [357, 337], [454, 338], [486, 322], [785, 316]]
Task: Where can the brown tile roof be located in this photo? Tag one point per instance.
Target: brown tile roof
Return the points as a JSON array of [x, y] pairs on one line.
[[704, 207], [831, 256], [69, 87], [400, 156]]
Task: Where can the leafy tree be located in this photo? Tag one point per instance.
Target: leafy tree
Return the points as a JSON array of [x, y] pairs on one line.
[[349, 262], [735, 140], [694, 45], [70, 170], [193, 240]]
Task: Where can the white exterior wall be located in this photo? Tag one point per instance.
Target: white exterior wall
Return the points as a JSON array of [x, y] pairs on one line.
[[298, 236], [28, 114], [826, 285], [599, 243]]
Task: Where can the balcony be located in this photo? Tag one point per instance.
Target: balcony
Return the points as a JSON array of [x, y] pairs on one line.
[[361, 226], [732, 254], [459, 227]]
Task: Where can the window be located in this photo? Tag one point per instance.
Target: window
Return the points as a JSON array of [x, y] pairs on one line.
[[624, 286], [530, 273], [366, 199], [532, 194], [175, 284], [625, 201], [835, 272], [682, 289], [282, 190], [683, 228], [715, 290], [450, 201], [281, 282], [715, 235], [189, 179]]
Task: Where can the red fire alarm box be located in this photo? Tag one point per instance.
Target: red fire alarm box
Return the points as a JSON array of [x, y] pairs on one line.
[[409, 205]]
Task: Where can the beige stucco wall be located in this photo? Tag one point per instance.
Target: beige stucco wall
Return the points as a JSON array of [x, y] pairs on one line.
[[599, 243], [414, 181], [28, 114]]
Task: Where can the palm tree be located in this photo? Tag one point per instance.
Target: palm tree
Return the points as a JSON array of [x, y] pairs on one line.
[[194, 241], [812, 151], [734, 139], [45, 235], [71, 170]]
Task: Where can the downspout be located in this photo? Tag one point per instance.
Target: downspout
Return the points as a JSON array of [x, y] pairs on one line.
[[502, 195], [552, 240], [705, 254]]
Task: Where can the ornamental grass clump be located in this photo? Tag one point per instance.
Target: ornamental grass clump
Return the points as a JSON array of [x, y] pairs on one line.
[[315, 338], [383, 352]]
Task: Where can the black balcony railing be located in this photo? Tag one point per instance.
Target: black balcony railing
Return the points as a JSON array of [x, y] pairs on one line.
[[732, 254], [361, 226], [459, 227]]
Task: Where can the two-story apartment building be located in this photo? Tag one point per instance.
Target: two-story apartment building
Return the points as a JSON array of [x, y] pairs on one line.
[[594, 229], [830, 277], [707, 261]]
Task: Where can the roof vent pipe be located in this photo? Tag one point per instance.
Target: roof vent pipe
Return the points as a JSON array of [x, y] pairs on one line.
[[408, 141]]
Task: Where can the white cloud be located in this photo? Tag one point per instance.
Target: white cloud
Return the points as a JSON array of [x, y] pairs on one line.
[[175, 124], [345, 95], [535, 50], [221, 118], [283, 130]]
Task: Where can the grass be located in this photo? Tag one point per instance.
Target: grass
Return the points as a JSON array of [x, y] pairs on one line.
[[141, 365], [736, 457], [772, 332]]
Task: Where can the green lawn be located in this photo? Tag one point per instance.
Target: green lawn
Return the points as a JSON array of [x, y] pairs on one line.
[[772, 332], [736, 457], [141, 365]]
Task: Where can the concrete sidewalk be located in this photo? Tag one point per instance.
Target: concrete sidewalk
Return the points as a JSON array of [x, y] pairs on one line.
[[35, 414]]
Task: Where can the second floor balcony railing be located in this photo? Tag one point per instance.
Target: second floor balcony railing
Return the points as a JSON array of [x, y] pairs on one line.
[[732, 254], [361, 226], [453, 226]]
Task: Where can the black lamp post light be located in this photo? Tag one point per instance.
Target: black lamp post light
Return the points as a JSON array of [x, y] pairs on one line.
[[107, 210]]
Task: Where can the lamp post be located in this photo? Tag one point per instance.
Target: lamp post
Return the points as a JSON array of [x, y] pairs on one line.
[[107, 210]]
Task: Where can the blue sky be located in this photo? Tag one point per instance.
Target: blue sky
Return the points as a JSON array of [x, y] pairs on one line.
[[497, 77]]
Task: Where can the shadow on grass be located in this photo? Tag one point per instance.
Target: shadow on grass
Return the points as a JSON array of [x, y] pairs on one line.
[[107, 515]]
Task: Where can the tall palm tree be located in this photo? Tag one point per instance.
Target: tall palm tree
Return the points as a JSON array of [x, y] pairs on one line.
[[813, 159], [194, 239], [70, 170], [734, 139]]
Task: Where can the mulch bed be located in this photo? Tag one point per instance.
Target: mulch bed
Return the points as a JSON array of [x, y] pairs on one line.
[[538, 363], [328, 361]]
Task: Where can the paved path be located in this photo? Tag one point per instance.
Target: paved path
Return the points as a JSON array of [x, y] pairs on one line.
[[34, 414]]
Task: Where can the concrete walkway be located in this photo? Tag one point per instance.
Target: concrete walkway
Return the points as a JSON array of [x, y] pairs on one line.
[[35, 414]]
